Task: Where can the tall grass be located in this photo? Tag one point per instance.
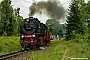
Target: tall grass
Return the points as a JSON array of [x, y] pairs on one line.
[[54, 52], [9, 44], [77, 50], [78, 47]]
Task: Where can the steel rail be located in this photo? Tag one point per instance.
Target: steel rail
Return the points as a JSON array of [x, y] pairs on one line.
[[9, 55]]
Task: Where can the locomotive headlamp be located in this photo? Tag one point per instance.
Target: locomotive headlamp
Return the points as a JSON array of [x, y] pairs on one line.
[[33, 35], [22, 36], [39, 26], [27, 19]]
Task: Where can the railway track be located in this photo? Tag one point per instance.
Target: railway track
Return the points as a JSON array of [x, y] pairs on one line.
[[10, 55], [18, 55]]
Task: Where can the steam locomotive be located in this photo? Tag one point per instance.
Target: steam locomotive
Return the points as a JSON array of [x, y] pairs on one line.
[[33, 34]]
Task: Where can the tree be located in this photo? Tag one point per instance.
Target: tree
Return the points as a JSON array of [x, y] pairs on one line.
[[88, 12], [6, 16], [75, 24], [18, 20], [1, 24], [88, 16], [56, 28], [10, 19]]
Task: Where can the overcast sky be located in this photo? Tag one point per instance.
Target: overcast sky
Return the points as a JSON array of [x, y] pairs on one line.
[[24, 7]]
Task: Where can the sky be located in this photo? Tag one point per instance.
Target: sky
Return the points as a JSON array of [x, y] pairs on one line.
[[24, 5], [24, 8]]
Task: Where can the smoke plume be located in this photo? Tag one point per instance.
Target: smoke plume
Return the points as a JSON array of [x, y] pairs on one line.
[[52, 9]]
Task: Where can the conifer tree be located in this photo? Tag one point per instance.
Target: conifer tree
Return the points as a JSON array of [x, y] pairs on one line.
[[88, 17], [75, 24], [6, 17], [9, 19], [1, 24]]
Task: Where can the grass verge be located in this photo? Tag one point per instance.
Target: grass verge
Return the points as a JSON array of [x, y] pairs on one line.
[[57, 49], [54, 52], [77, 50], [9, 44]]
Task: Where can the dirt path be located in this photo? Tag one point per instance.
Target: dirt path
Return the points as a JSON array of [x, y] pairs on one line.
[[64, 54]]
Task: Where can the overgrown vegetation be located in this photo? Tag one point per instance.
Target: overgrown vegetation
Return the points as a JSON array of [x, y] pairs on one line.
[[9, 44]]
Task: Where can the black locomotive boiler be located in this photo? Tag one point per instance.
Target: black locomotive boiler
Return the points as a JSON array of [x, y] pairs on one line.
[[33, 34]]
